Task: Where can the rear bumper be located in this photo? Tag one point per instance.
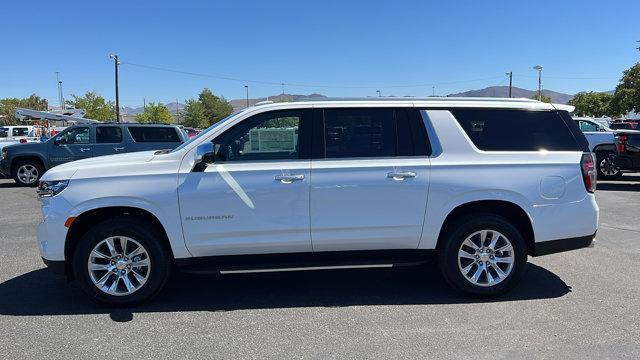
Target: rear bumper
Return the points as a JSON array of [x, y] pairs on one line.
[[561, 245]]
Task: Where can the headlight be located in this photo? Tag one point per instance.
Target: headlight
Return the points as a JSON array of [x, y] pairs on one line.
[[51, 188]]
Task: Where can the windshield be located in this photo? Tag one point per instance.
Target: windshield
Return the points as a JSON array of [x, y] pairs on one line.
[[204, 132]]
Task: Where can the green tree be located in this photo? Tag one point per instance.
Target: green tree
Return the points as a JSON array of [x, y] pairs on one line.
[[194, 114], [215, 108], [155, 113], [627, 95], [592, 104], [8, 107], [545, 99], [94, 105]]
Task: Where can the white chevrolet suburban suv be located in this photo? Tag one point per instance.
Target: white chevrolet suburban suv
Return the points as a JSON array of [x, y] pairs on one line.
[[478, 183]]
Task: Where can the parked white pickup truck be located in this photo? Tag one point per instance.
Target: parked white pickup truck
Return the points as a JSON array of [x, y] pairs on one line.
[[10, 135], [602, 141]]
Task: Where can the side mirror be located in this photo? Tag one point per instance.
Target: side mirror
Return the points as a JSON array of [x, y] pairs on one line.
[[205, 154]]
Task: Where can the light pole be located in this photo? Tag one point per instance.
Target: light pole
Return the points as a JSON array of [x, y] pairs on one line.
[[433, 91], [116, 62], [59, 90], [539, 69], [510, 75], [61, 97], [378, 91], [247, 88]]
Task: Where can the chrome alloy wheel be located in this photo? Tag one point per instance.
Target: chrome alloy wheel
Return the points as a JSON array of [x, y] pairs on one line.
[[119, 265], [28, 174], [486, 258], [608, 167]]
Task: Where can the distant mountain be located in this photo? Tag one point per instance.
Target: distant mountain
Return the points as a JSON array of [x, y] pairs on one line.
[[170, 106], [239, 104], [503, 91]]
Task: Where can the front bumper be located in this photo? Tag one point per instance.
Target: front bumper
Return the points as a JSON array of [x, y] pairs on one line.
[[561, 245], [58, 267], [5, 171]]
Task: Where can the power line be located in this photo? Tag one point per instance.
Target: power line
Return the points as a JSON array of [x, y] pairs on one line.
[[282, 84]]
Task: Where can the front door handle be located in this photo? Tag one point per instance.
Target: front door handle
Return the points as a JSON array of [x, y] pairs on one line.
[[288, 179], [85, 149], [401, 175], [118, 148]]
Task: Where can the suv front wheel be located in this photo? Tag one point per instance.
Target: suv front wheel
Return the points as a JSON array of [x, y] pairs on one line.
[[121, 262], [483, 256], [27, 173]]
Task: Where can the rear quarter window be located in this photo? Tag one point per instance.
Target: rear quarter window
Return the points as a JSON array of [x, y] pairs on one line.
[[517, 130], [146, 134]]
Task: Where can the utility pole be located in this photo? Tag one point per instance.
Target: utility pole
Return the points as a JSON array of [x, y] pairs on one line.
[[539, 69], [433, 91], [177, 112], [282, 88], [144, 103], [510, 75], [116, 62], [247, 88], [61, 96]]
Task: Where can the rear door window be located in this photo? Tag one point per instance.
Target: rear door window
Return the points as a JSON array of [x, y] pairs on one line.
[[146, 134], [108, 135], [373, 133], [516, 130]]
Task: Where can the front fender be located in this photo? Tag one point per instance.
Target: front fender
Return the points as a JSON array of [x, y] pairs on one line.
[[168, 218]]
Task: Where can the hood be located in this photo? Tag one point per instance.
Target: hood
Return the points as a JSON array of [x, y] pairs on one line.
[[21, 147], [100, 166]]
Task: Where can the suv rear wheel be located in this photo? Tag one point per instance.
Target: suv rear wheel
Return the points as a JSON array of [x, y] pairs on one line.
[[27, 173], [121, 262], [607, 169], [483, 256]]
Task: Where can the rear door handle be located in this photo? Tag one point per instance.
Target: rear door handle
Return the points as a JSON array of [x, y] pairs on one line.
[[118, 148], [85, 149], [401, 175], [288, 179]]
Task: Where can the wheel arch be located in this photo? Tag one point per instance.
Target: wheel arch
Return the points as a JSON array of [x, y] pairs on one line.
[[25, 157], [86, 220], [513, 212]]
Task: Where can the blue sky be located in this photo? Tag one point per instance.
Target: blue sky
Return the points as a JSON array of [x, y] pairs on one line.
[[336, 48]]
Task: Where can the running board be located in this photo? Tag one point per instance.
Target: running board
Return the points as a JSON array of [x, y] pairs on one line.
[[309, 268], [244, 264]]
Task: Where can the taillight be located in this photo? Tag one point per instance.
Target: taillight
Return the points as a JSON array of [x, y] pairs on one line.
[[588, 167], [22, 141], [621, 140]]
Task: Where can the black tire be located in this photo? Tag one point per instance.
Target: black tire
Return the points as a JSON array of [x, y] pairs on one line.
[[605, 166], [31, 164], [147, 236], [452, 241]]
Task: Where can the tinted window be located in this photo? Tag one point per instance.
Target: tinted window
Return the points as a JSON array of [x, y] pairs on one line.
[[76, 135], [516, 130], [380, 132], [359, 133], [269, 136], [108, 134], [20, 131], [4, 132], [621, 126], [153, 134]]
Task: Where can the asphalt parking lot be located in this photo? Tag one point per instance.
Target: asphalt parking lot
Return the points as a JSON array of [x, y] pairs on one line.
[[584, 303]]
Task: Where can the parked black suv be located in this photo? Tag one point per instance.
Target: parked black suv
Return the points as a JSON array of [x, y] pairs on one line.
[[26, 163], [628, 149]]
